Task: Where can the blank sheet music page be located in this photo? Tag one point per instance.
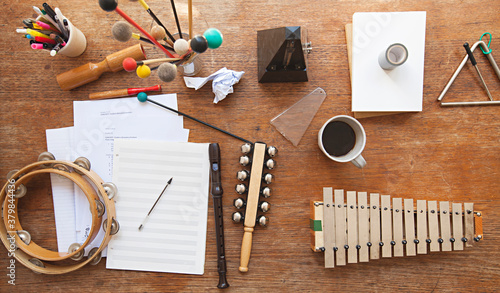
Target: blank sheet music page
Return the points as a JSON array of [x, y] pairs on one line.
[[173, 239]]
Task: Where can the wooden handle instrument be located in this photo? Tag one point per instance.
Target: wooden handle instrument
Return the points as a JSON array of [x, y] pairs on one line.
[[254, 191], [123, 92], [356, 230], [216, 191], [92, 71]]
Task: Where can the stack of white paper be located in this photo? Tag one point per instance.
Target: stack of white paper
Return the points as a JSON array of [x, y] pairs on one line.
[[97, 125], [373, 88]]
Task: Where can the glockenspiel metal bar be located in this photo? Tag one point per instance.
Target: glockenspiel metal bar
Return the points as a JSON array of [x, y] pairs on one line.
[[397, 219], [458, 244], [340, 227], [469, 223], [374, 226], [385, 203], [352, 227], [421, 226], [444, 217], [328, 227], [409, 227], [433, 226], [364, 224]]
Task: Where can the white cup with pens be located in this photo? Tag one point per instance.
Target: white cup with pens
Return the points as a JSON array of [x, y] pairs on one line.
[[342, 139], [76, 44], [71, 41]]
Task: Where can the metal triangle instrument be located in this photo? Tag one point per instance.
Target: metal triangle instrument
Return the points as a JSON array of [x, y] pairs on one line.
[[462, 64]]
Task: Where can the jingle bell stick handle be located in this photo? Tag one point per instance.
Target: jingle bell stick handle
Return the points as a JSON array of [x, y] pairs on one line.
[[92, 71], [246, 249]]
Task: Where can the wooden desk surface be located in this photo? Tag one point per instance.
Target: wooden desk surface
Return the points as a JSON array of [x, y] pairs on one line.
[[448, 154]]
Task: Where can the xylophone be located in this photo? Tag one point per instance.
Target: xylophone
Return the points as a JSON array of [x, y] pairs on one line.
[[356, 230], [254, 191]]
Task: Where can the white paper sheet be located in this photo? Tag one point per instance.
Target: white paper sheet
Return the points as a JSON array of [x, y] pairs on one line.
[[59, 143], [174, 237], [127, 117], [99, 123], [373, 88]]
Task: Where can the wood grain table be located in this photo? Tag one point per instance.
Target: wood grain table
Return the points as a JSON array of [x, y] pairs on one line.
[[450, 154]]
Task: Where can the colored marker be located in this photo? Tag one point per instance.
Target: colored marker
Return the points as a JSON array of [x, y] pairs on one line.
[[31, 32], [44, 15], [45, 26], [45, 40]]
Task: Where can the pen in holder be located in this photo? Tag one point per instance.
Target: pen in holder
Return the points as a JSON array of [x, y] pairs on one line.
[[76, 42]]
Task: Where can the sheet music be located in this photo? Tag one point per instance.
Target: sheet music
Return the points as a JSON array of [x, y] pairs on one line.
[[59, 143], [99, 123], [174, 237], [123, 118]]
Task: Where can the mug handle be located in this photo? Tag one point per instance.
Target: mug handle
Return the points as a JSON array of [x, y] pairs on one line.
[[359, 161]]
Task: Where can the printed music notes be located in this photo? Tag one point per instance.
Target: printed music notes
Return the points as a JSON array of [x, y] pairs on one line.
[[349, 229]]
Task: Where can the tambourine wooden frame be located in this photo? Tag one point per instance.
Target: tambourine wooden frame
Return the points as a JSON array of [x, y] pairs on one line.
[[39, 252], [25, 254]]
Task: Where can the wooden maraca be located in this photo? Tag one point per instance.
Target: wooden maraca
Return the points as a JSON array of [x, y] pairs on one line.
[[92, 71]]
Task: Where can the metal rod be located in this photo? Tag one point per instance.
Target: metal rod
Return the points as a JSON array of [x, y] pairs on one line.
[[480, 103], [474, 63]]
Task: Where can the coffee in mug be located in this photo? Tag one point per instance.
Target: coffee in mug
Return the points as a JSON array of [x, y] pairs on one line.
[[342, 139]]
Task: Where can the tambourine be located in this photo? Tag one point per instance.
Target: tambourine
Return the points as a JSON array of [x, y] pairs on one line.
[[99, 195]]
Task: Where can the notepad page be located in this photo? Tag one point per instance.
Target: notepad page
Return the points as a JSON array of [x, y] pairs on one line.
[[173, 239]]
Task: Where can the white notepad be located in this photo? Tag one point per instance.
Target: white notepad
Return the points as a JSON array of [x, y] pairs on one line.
[[373, 88], [173, 239]]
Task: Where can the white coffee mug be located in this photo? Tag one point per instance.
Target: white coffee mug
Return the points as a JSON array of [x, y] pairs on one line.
[[343, 143]]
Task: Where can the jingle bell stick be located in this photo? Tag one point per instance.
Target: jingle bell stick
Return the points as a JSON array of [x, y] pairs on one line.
[[92, 71]]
